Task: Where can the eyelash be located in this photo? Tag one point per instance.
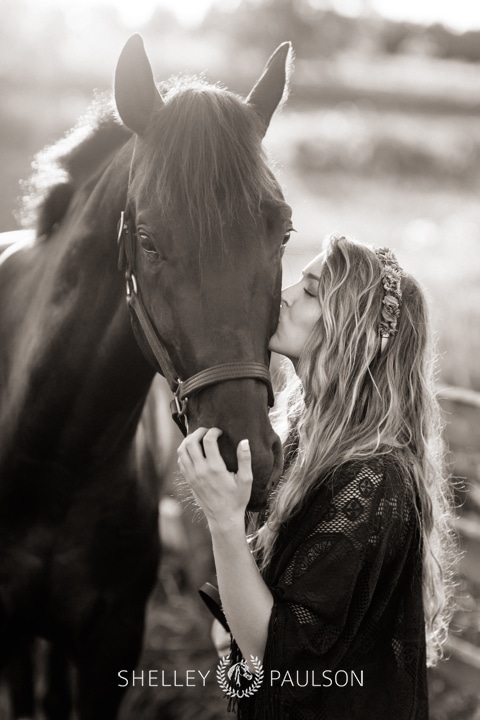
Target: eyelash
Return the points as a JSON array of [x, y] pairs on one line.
[[312, 295], [286, 237]]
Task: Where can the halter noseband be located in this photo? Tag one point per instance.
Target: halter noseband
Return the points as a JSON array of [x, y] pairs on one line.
[[182, 389]]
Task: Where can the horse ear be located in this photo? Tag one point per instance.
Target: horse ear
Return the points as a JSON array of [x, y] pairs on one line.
[[135, 90], [270, 88]]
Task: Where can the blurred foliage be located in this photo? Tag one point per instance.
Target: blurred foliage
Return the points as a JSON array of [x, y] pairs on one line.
[[72, 45]]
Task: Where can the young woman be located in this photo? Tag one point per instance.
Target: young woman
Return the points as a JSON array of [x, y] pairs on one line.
[[343, 589]]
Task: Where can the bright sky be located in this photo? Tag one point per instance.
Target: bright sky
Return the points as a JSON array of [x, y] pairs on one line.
[[458, 14]]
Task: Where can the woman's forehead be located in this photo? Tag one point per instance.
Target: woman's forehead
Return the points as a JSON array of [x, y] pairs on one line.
[[314, 267]]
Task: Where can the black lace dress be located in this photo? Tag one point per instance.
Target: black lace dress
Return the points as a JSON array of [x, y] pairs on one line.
[[346, 638]]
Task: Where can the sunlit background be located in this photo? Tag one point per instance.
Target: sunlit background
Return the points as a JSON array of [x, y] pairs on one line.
[[461, 16], [380, 139]]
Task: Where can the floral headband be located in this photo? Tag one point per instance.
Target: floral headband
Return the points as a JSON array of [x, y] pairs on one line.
[[392, 293]]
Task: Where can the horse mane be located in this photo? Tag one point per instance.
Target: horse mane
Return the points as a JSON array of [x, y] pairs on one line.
[[59, 169], [205, 156]]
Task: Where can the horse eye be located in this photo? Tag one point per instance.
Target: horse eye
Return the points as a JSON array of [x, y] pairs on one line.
[[286, 237], [147, 244]]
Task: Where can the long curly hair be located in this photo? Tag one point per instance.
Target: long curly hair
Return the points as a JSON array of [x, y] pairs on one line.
[[352, 399]]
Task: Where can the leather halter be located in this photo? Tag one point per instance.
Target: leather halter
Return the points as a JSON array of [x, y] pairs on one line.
[[182, 389]]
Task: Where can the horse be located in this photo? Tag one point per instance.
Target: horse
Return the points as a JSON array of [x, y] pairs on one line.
[[238, 671], [159, 232]]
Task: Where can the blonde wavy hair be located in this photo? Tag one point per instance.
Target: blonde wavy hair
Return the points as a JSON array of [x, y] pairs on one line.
[[351, 399]]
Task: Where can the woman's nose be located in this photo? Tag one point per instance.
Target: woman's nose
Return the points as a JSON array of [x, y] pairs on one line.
[[289, 295]]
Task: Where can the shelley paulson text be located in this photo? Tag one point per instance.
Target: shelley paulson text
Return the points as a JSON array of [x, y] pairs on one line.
[[195, 678]]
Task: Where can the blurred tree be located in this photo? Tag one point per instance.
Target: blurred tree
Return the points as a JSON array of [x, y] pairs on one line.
[[393, 36], [314, 32], [462, 46], [262, 23], [436, 40]]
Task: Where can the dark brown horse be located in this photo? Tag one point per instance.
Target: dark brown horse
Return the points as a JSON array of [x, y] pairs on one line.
[[200, 243]]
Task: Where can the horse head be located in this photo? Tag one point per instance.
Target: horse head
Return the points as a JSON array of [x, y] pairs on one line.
[[206, 228], [238, 671]]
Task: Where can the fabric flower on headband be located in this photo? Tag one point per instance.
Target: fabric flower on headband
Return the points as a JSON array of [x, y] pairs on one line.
[[392, 292]]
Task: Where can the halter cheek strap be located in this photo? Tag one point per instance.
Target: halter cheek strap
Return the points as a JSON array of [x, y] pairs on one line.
[[155, 348]]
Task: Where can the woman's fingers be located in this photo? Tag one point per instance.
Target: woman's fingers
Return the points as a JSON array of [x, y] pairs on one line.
[[212, 453], [216, 490], [192, 447], [198, 460], [244, 459]]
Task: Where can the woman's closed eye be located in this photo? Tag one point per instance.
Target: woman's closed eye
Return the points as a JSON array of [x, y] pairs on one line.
[[309, 293]]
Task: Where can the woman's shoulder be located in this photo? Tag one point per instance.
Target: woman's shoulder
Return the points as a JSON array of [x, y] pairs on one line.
[[363, 499], [388, 468], [359, 488], [385, 476]]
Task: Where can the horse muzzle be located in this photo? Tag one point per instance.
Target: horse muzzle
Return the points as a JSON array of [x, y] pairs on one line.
[[240, 410]]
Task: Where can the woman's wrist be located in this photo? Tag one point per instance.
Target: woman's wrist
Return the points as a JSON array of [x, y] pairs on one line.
[[227, 527]]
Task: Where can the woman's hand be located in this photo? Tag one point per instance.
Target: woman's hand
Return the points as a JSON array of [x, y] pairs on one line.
[[222, 495]]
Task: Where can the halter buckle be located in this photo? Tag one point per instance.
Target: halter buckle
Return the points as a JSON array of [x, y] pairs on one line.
[[179, 409], [180, 404], [130, 284]]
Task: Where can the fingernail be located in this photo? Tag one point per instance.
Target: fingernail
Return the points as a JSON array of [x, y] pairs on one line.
[[244, 445]]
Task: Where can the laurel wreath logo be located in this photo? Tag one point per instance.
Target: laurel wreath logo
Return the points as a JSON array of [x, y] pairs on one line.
[[237, 670]]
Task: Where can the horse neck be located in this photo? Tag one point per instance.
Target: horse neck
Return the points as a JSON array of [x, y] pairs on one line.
[[101, 379]]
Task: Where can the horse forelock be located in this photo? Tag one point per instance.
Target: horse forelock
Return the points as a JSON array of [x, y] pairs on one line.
[[59, 169], [204, 155]]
